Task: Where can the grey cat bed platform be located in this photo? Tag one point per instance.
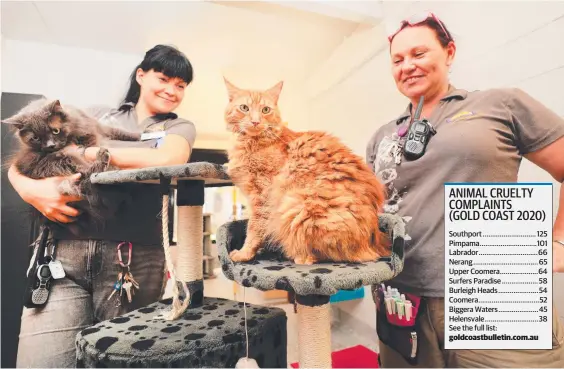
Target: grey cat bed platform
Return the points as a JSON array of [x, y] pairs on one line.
[[312, 284], [212, 335], [270, 270], [212, 174]]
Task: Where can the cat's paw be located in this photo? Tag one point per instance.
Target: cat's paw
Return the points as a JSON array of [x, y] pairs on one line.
[[241, 255], [68, 188], [103, 156], [308, 260]]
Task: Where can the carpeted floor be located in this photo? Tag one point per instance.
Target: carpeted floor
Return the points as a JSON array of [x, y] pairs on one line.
[[352, 357]]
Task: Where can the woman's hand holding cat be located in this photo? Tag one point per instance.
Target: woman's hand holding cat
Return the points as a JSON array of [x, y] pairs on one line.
[[45, 196], [48, 199]]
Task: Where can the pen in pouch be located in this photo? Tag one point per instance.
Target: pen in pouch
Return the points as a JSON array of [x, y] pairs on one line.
[[408, 310], [400, 310], [397, 301], [388, 302]]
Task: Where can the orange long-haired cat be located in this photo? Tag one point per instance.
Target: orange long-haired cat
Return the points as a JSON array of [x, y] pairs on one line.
[[307, 191]]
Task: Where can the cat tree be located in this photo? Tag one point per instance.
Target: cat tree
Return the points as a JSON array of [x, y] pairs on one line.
[[312, 284], [190, 330]]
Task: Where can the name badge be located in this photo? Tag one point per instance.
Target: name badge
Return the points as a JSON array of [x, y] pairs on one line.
[[152, 135]]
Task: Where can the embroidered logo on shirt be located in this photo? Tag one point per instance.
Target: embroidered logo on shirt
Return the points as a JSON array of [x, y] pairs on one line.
[[156, 127], [463, 115]]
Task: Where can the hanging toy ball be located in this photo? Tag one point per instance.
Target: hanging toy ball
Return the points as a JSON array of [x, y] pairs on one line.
[[246, 362]]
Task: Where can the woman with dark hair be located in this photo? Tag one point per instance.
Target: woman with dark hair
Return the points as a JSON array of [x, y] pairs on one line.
[[479, 136], [90, 261]]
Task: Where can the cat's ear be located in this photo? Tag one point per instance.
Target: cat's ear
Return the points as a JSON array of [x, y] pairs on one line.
[[13, 121], [274, 91], [54, 106], [232, 90]]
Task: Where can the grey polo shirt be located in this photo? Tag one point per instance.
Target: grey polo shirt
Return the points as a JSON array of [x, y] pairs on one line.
[[138, 206], [481, 137]]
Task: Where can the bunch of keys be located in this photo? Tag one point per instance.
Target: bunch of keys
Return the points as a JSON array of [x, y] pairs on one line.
[[125, 280]]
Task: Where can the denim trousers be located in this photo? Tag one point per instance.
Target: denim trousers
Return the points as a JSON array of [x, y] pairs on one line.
[[80, 299]]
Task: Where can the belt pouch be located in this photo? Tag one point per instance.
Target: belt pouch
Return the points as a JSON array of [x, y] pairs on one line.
[[397, 332]]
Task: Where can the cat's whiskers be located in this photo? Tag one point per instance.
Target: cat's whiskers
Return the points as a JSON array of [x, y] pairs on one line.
[[246, 124], [9, 160], [239, 130]]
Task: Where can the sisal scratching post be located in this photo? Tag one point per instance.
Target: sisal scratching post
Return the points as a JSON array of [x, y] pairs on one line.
[[188, 275], [314, 336], [190, 202], [190, 243]]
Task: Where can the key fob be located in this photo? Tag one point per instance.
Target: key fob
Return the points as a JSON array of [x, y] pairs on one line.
[[56, 268]]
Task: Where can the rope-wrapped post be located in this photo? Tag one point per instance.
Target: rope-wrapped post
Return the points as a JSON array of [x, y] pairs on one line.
[[190, 202], [187, 276], [314, 331]]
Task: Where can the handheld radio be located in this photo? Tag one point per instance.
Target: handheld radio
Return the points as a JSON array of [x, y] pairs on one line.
[[420, 132], [40, 294]]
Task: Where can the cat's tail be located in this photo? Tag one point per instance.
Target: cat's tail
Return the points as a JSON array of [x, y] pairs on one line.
[[119, 134], [330, 223]]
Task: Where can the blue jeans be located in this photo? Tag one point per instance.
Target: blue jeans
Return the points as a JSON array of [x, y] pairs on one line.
[[47, 336]]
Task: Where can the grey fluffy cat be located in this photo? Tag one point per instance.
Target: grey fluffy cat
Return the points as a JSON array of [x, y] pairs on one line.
[[46, 128]]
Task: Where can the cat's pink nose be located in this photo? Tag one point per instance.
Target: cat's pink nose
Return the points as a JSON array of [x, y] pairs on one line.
[[255, 123]]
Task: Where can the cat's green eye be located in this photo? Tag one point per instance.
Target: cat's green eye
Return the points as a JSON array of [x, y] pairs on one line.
[[244, 108], [266, 110], [56, 131]]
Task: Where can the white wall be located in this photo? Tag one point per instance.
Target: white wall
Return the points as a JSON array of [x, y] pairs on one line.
[[85, 77], [350, 95], [80, 77], [521, 49]]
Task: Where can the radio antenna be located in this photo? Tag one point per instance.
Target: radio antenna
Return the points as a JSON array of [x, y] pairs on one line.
[[419, 108]]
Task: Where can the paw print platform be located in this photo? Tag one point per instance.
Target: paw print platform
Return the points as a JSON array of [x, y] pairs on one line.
[[312, 284], [189, 330], [211, 335]]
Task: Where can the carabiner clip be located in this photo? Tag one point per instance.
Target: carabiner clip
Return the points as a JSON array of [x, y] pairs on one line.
[[119, 254]]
